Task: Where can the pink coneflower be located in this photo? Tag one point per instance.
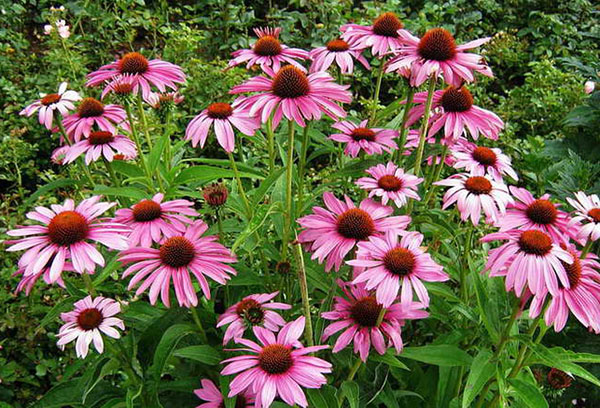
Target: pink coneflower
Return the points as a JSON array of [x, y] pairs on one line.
[[382, 36], [529, 258], [215, 194], [87, 322], [48, 103], [121, 85], [358, 314], [58, 154], [158, 100], [472, 194], [531, 213], [144, 72], [295, 95], [582, 298], [332, 232], [389, 263], [92, 112], [28, 281], [390, 183], [268, 52], [454, 111], [101, 143], [357, 137], [587, 209], [152, 220], [340, 52], [481, 160], [66, 235], [214, 399], [278, 366], [253, 310], [223, 117], [177, 257], [436, 53]]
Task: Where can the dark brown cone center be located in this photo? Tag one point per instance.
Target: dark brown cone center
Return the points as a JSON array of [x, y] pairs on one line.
[[219, 110], [338, 45], [250, 310], [542, 212], [478, 185], [355, 224], [267, 46], [275, 359], [484, 155], [68, 228], [89, 319], [390, 183], [457, 99], [146, 210], [50, 99], [365, 312], [363, 134], [90, 107], [177, 252], [133, 63], [290, 82], [100, 137], [387, 25], [535, 242], [437, 44], [399, 261]]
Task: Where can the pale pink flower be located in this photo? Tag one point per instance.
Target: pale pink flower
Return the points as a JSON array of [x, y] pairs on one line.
[[253, 310], [340, 52], [589, 87], [98, 144], [92, 112], [383, 36], [28, 281], [121, 85], [214, 399], [158, 99], [58, 154], [481, 160], [587, 208], [360, 137], [390, 183], [61, 28], [331, 233], [48, 103]]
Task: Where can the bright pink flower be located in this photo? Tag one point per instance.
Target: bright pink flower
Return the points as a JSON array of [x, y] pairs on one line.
[[472, 194], [293, 94], [436, 53], [101, 143], [383, 36], [66, 235], [58, 154], [480, 160], [224, 117], [587, 209], [582, 298], [253, 310], [358, 313], [144, 73], [531, 213], [92, 112], [389, 263], [357, 137], [48, 103], [121, 85], [454, 111], [412, 142], [340, 52], [214, 399], [390, 183], [87, 322], [177, 258], [269, 52], [28, 281], [152, 220], [278, 366], [332, 233], [529, 258]]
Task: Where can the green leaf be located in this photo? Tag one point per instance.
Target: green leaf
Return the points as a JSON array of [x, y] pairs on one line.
[[388, 358], [481, 371], [53, 185], [62, 395], [259, 193], [486, 312], [57, 309], [258, 219], [112, 265], [442, 355], [551, 358], [322, 398], [127, 169], [205, 174], [528, 393], [154, 156], [203, 354], [130, 192], [351, 392]]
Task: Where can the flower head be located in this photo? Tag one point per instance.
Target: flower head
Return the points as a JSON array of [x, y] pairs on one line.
[[340, 52], [61, 28], [92, 112], [87, 322], [390, 183], [176, 259], [587, 208], [278, 366], [164, 100], [28, 281], [269, 53], [332, 232], [214, 399], [59, 154], [100, 143], [253, 310], [357, 137], [215, 194], [589, 87], [481, 160], [558, 379], [295, 95], [383, 36], [48, 103]]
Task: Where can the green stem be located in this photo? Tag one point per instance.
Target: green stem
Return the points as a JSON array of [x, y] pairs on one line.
[[271, 144], [425, 125], [308, 329], [375, 101], [302, 166], [80, 163], [144, 121], [112, 173], [586, 249], [168, 157], [138, 145], [238, 179], [465, 267], [403, 127], [220, 225], [68, 55], [196, 318], [354, 369], [89, 284], [436, 175], [287, 227]]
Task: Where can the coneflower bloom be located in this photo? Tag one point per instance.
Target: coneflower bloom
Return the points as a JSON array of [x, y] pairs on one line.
[[332, 232], [101, 143], [360, 137], [121, 85], [358, 313], [176, 258], [48, 103], [28, 281], [295, 95], [472, 194], [253, 310], [582, 297], [527, 212], [269, 53], [529, 259], [223, 117], [58, 154], [587, 209], [382, 36], [454, 111], [278, 366], [214, 399], [158, 100], [481, 160], [388, 263], [87, 322], [215, 194], [152, 220], [144, 73], [340, 52], [390, 183], [436, 53], [92, 112], [65, 235]]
